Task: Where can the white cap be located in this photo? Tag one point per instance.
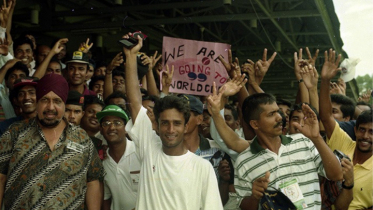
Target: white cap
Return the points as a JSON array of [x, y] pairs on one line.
[[348, 67]]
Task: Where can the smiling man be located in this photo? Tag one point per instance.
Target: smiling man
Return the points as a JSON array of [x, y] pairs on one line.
[[25, 96], [360, 151], [77, 69], [23, 51], [171, 177], [122, 164], [45, 161]]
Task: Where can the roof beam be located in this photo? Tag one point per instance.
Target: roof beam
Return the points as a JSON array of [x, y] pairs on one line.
[[272, 18]]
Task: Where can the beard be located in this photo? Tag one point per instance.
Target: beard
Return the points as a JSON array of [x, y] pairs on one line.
[[48, 123]]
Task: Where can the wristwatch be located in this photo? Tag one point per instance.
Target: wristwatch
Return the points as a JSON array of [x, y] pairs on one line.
[[347, 187]]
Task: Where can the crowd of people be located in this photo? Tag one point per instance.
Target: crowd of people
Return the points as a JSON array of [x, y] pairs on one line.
[[80, 134]]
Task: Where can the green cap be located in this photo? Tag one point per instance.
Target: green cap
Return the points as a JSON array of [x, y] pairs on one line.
[[112, 110]]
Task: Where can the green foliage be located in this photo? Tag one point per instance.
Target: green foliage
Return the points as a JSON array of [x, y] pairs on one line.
[[364, 83]]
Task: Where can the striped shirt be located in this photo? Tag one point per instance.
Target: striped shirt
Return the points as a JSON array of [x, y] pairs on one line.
[[297, 158]]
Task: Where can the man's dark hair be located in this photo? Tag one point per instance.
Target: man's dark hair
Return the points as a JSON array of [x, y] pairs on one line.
[[298, 107], [363, 103], [117, 72], [17, 66], [115, 94], [92, 99], [21, 41], [172, 102], [150, 98], [94, 79], [56, 61], [100, 64], [251, 106], [281, 101], [364, 117], [347, 104], [233, 110]]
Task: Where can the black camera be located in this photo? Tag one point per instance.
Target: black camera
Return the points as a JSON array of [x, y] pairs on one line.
[[132, 40], [340, 155]]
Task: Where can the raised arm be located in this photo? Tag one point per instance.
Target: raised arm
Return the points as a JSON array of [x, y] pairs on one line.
[[152, 86], [329, 70], [108, 84], [5, 68], [42, 68], [310, 78], [132, 80], [310, 129], [302, 95], [167, 80], [262, 66], [230, 138]]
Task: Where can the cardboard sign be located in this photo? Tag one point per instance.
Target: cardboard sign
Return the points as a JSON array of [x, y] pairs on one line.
[[196, 65]]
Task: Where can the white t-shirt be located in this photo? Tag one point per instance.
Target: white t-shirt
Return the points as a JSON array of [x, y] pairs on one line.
[[122, 179], [171, 182]]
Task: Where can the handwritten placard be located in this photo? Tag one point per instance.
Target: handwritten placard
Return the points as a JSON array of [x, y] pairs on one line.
[[196, 65]]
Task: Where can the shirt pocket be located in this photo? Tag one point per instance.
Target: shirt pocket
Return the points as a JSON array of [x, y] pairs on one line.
[[135, 176]]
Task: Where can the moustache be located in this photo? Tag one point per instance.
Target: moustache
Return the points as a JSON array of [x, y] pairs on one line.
[[278, 124], [50, 112]]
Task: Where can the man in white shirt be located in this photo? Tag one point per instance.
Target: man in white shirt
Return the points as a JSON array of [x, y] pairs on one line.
[[171, 176], [122, 163]]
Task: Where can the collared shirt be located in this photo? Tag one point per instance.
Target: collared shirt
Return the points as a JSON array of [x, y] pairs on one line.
[[122, 178], [40, 178], [297, 158], [88, 92], [363, 173]]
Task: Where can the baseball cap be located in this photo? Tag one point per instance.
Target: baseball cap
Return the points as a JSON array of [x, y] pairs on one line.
[[194, 103], [348, 67], [33, 81], [75, 98], [79, 57], [112, 110]]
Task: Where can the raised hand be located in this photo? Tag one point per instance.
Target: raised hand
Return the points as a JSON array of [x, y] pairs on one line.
[[4, 46], [342, 85], [227, 65], [312, 60], [310, 76], [299, 63], [234, 85], [365, 96], [145, 59], [117, 60], [330, 67], [85, 46], [4, 13], [154, 59], [167, 76], [260, 186], [311, 125], [58, 45], [231, 67], [136, 48], [214, 100], [335, 89], [263, 65]]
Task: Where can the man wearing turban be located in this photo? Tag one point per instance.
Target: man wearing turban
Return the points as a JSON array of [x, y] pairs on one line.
[[46, 163]]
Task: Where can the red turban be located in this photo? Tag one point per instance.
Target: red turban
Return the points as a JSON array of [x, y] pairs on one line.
[[55, 83]]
